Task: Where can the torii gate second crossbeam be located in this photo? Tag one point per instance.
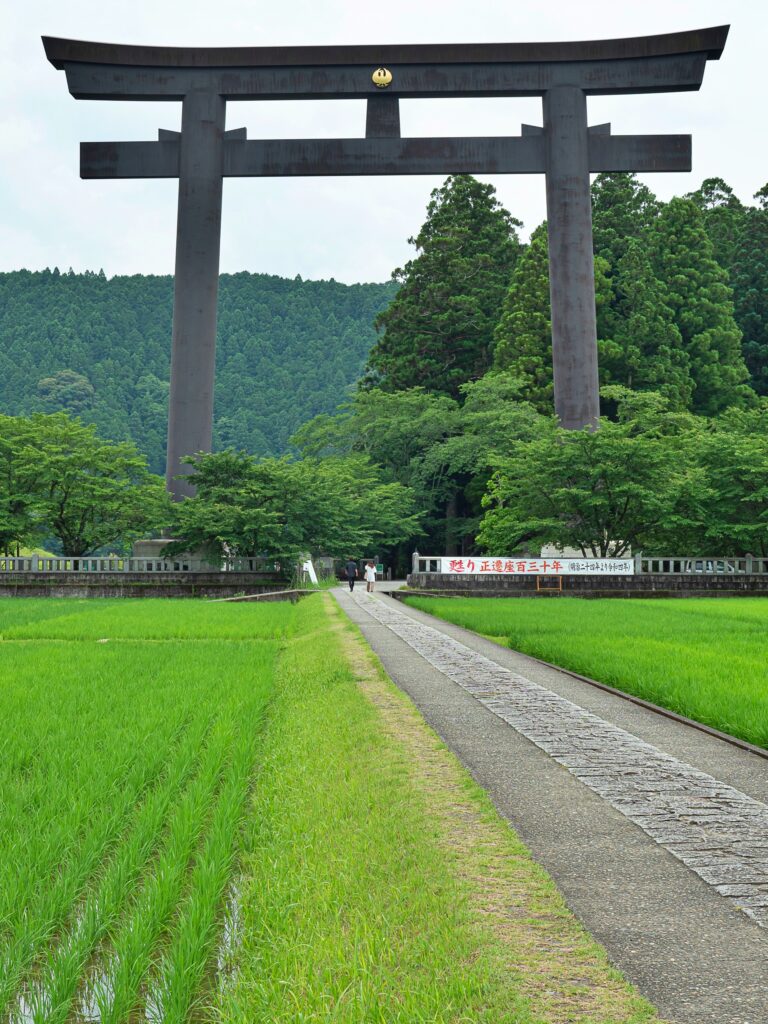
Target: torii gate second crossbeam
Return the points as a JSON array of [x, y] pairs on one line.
[[565, 149]]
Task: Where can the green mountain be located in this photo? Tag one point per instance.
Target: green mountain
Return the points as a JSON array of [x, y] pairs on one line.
[[287, 350]]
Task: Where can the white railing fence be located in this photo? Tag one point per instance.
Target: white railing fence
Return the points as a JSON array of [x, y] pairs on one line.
[[91, 564]]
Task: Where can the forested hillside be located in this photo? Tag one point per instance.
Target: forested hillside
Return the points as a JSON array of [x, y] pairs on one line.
[[100, 349]]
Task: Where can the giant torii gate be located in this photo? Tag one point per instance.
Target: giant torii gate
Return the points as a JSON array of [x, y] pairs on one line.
[[566, 150]]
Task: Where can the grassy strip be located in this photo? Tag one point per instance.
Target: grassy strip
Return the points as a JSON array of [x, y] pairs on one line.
[[702, 658], [355, 907]]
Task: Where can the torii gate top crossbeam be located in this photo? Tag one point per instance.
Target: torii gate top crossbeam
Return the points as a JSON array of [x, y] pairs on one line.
[[708, 40], [659, 63]]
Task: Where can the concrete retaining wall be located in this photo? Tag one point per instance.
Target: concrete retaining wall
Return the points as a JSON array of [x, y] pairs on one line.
[[137, 584], [645, 585]]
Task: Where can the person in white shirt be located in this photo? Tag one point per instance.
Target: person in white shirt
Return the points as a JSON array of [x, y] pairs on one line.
[[370, 576]]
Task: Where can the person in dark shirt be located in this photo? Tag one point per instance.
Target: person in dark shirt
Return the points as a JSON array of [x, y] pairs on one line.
[[350, 571]]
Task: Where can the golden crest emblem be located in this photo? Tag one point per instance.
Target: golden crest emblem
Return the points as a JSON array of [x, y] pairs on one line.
[[381, 77]]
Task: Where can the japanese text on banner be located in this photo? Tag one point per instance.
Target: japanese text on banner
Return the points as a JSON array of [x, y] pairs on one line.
[[478, 566]]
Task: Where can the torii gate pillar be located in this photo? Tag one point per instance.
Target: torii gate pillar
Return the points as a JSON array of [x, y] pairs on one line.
[[571, 264], [198, 243]]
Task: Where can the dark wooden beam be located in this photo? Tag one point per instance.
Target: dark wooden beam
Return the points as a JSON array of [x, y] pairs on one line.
[[379, 156], [709, 41], [410, 81]]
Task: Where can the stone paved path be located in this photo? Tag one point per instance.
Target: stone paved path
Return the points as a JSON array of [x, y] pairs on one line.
[[655, 833], [714, 829]]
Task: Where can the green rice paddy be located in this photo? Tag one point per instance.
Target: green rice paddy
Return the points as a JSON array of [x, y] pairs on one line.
[[706, 658], [202, 819], [125, 765]]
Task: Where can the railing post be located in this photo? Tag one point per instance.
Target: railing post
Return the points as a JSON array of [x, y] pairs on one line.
[[639, 564], [415, 561]]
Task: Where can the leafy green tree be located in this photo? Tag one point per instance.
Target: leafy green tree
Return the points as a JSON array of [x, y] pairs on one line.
[[496, 413], [596, 491], [702, 305], [438, 330], [21, 511], [93, 493], [282, 508], [437, 447], [395, 431], [733, 453]]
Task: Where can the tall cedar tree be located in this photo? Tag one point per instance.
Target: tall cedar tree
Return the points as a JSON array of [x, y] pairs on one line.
[[723, 215], [702, 303], [749, 277], [438, 330], [622, 210], [523, 336], [640, 344]]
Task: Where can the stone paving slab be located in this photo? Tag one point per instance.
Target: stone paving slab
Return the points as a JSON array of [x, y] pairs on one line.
[[714, 829]]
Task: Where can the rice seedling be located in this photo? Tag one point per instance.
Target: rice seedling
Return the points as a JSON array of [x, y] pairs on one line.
[[119, 979], [101, 747], [704, 658], [54, 991], [46, 908], [183, 967]]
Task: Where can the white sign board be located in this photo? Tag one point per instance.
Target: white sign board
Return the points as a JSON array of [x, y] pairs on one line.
[[476, 565]]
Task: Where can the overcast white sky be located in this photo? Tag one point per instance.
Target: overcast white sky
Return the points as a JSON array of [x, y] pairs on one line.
[[353, 229]]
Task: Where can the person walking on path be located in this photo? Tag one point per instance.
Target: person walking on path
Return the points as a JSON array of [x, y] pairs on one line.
[[350, 571], [370, 576]]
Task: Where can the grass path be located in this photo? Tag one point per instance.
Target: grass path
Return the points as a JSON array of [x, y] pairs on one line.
[[380, 883], [705, 658]]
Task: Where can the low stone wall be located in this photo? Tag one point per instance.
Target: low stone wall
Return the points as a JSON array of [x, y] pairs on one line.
[[137, 584], [645, 585]]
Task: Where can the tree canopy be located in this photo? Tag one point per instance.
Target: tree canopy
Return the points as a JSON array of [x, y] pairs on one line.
[[286, 508], [438, 330], [59, 479]]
